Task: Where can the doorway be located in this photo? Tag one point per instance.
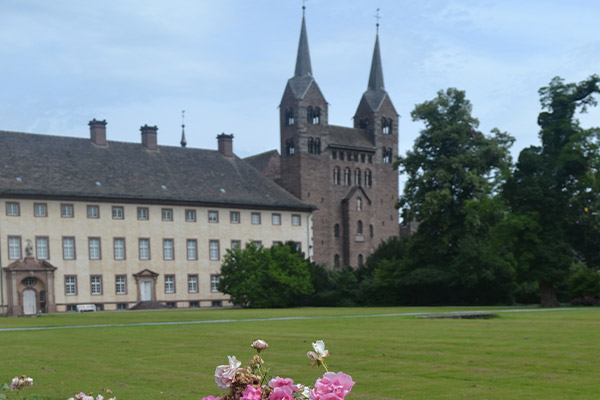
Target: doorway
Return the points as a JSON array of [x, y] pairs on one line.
[[29, 302], [146, 290]]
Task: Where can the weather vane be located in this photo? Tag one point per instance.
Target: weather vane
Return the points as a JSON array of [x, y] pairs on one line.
[[183, 118], [303, 6], [377, 17]]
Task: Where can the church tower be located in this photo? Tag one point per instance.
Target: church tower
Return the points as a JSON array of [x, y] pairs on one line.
[[346, 173]]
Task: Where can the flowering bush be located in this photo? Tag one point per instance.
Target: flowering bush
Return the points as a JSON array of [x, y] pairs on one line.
[[90, 396], [17, 384], [252, 382]]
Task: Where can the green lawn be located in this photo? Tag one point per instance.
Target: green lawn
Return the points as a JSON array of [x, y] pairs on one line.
[[544, 355]]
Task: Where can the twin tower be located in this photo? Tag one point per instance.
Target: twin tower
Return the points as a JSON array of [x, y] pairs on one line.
[[346, 173]]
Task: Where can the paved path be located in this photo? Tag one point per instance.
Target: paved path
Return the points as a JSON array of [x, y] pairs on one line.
[[224, 321]]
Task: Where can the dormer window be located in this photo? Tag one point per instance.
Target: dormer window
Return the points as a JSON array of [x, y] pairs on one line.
[[289, 147], [289, 117], [386, 125]]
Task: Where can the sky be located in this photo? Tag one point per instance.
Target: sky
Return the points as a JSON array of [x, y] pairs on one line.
[[226, 63]]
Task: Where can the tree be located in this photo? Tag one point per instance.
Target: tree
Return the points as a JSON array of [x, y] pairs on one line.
[[258, 277], [454, 172], [554, 192]]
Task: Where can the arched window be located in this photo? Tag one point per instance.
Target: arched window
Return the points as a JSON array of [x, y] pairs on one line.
[[359, 204], [317, 146], [371, 230], [336, 230], [347, 177], [357, 177], [360, 260], [386, 126], [311, 145], [336, 175], [387, 155], [368, 178], [289, 147], [289, 117], [313, 115], [359, 228], [336, 260]]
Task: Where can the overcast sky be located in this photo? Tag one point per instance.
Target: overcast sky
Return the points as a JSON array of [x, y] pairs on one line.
[[226, 62]]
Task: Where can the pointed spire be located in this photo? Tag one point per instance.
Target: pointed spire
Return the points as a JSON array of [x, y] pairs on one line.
[[303, 67], [183, 141], [376, 76]]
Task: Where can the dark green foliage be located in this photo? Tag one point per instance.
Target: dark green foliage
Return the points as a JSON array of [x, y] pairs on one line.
[[257, 277], [555, 191], [583, 282]]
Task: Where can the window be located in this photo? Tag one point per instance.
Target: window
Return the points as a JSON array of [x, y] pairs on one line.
[[313, 115], [194, 304], [217, 303], [359, 228], [298, 247], [70, 285], [317, 146], [363, 123], [119, 248], [118, 212], [68, 248], [192, 283], [387, 155], [93, 212], [190, 215], [66, 210], [360, 260], [94, 248], [342, 155], [41, 247], [167, 214], [386, 125], [336, 230], [234, 217], [311, 145], [96, 283], [276, 219], [255, 218], [142, 213], [14, 248], [371, 230], [40, 210], [336, 260], [213, 216], [120, 284], [359, 204], [192, 249], [289, 147], [370, 159], [368, 178], [258, 243], [12, 209], [168, 249], [357, 175], [289, 117], [169, 284], [362, 157], [144, 245], [213, 250], [122, 306], [336, 176], [347, 177], [296, 220], [236, 244], [214, 283]]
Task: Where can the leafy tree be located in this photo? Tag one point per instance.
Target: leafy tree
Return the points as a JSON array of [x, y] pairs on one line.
[[554, 192], [258, 277], [454, 172]]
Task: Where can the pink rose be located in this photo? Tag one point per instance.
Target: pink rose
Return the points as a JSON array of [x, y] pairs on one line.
[[251, 393], [211, 398], [332, 386], [282, 393], [224, 374], [260, 345], [280, 382]]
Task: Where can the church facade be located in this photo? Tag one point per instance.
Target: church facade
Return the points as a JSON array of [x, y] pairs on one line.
[[345, 172]]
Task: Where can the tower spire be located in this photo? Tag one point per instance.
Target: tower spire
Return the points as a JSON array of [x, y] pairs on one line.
[[303, 67], [376, 76], [183, 141]]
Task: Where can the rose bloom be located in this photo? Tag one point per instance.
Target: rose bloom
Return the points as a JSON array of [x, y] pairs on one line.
[[251, 393], [224, 374], [280, 382], [260, 345], [332, 386], [211, 398], [319, 347], [282, 393]]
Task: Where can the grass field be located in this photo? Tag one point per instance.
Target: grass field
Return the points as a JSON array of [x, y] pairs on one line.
[[543, 355]]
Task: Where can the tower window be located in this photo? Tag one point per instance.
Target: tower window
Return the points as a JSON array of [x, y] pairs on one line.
[[311, 145], [359, 228], [386, 125], [336, 230], [289, 117], [313, 115], [387, 155], [347, 177], [363, 123], [371, 230], [317, 146], [289, 147], [357, 177], [336, 260], [359, 204]]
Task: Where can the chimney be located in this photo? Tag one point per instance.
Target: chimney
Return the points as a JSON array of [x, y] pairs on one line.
[[225, 144], [149, 137], [98, 132]]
